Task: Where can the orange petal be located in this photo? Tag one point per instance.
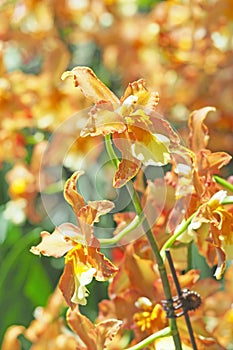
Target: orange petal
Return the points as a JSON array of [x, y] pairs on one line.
[[163, 127], [104, 267], [90, 85], [106, 331], [10, 340], [67, 284], [70, 192], [103, 120], [102, 207], [213, 161], [126, 171], [147, 100], [198, 137], [129, 165], [83, 327]]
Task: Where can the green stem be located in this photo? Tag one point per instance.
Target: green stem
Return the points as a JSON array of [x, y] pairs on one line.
[[223, 182], [147, 341], [110, 150], [182, 228], [153, 244], [133, 224], [228, 200]]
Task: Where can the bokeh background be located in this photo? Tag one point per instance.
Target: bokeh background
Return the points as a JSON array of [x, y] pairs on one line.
[[183, 49]]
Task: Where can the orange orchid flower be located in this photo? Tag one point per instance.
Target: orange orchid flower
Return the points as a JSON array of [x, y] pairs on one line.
[[83, 259], [137, 131], [212, 227]]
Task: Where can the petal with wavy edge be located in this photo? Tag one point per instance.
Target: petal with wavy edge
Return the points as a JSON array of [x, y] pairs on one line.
[[198, 137], [63, 238], [102, 207], [106, 331], [213, 161], [82, 277], [70, 192], [163, 127], [105, 269], [129, 165], [95, 337], [103, 120], [146, 100], [150, 149], [83, 327], [90, 85]]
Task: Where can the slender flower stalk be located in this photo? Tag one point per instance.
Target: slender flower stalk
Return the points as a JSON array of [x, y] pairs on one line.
[[152, 241], [166, 332], [138, 220], [223, 182], [182, 228]]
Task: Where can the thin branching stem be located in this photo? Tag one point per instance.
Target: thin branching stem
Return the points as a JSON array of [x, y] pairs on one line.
[[182, 228], [138, 220], [152, 241]]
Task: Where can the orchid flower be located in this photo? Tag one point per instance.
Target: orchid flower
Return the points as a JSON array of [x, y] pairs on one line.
[[83, 259], [141, 136]]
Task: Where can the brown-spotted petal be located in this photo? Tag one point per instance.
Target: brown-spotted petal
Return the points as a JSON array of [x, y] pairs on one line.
[[163, 127], [105, 269], [90, 85], [89, 214], [106, 331]]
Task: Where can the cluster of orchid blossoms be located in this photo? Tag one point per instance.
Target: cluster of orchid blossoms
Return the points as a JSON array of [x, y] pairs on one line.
[[184, 48], [196, 209]]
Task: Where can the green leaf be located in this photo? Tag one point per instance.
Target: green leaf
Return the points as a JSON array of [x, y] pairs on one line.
[[38, 286]]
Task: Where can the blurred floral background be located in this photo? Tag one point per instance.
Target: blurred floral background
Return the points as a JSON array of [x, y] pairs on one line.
[[182, 48]]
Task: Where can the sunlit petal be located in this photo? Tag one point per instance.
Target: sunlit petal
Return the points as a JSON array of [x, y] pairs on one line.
[[90, 85]]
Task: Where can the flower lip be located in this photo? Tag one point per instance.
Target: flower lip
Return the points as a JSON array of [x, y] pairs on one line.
[[217, 199]]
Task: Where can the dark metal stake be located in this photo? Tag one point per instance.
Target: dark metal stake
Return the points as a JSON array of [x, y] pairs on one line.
[[179, 292]]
